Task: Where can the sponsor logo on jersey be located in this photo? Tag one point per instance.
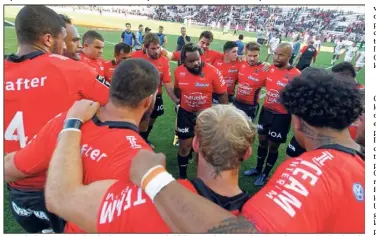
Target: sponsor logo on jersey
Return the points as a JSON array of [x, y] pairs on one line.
[[272, 96], [201, 85], [279, 83], [358, 192], [250, 77], [183, 130]]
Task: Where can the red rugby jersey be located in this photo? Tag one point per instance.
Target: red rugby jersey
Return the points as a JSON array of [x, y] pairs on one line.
[[107, 149], [37, 87], [197, 90], [322, 191], [96, 64], [250, 82], [229, 72], [125, 208], [161, 64], [276, 80]]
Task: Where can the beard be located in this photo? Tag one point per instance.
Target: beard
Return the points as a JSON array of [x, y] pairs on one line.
[[154, 57], [195, 70], [55, 49]]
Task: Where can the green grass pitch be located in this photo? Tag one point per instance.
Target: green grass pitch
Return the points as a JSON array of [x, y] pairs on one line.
[[163, 132]]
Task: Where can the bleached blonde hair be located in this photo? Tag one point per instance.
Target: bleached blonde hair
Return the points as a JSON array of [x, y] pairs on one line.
[[224, 135]]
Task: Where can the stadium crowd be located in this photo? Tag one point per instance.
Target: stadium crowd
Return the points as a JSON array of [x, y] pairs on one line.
[[80, 161]]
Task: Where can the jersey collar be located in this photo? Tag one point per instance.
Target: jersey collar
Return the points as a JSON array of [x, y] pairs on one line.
[[115, 124], [344, 149], [30, 56]]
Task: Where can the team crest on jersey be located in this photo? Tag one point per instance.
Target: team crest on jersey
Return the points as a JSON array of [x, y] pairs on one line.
[[287, 76], [358, 192], [256, 71], [202, 74]]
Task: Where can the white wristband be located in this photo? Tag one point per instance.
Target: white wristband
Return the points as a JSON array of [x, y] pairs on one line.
[[158, 183]]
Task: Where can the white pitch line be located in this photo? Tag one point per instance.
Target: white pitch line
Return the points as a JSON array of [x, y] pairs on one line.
[[329, 67]]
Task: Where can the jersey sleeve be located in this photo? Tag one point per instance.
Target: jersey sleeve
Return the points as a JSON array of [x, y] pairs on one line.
[[125, 208], [295, 200], [35, 157], [90, 85], [176, 56], [166, 72], [219, 83], [303, 49], [122, 35]]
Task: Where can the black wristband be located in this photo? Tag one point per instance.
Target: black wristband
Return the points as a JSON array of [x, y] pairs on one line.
[[72, 123]]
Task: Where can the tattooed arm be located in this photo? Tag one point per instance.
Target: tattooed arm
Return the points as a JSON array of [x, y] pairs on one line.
[[187, 212]]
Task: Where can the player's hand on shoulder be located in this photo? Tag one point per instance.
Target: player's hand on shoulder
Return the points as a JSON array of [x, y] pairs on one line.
[[83, 109], [143, 162], [265, 66]]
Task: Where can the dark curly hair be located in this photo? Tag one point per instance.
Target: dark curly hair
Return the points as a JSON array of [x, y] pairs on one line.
[[322, 101], [189, 47]]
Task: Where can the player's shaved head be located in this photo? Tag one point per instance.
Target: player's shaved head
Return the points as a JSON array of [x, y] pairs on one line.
[[286, 47], [282, 55], [133, 81], [33, 22]]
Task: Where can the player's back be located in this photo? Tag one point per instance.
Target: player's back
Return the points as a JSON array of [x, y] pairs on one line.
[[35, 91], [39, 86], [134, 208], [322, 191]]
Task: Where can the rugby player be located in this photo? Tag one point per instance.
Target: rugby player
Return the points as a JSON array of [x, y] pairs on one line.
[[72, 40], [292, 201], [317, 44], [39, 83], [274, 121], [162, 37], [217, 176], [195, 82], [337, 50], [346, 72], [139, 38], [307, 56], [208, 56], [272, 45], [251, 78], [350, 52], [93, 44], [122, 52], [109, 142], [127, 36], [152, 53], [229, 66]]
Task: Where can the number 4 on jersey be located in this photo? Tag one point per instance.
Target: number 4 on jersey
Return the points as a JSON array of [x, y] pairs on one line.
[[16, 130]]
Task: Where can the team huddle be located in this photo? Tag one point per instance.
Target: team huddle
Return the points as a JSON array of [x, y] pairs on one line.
[[81, 161]]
